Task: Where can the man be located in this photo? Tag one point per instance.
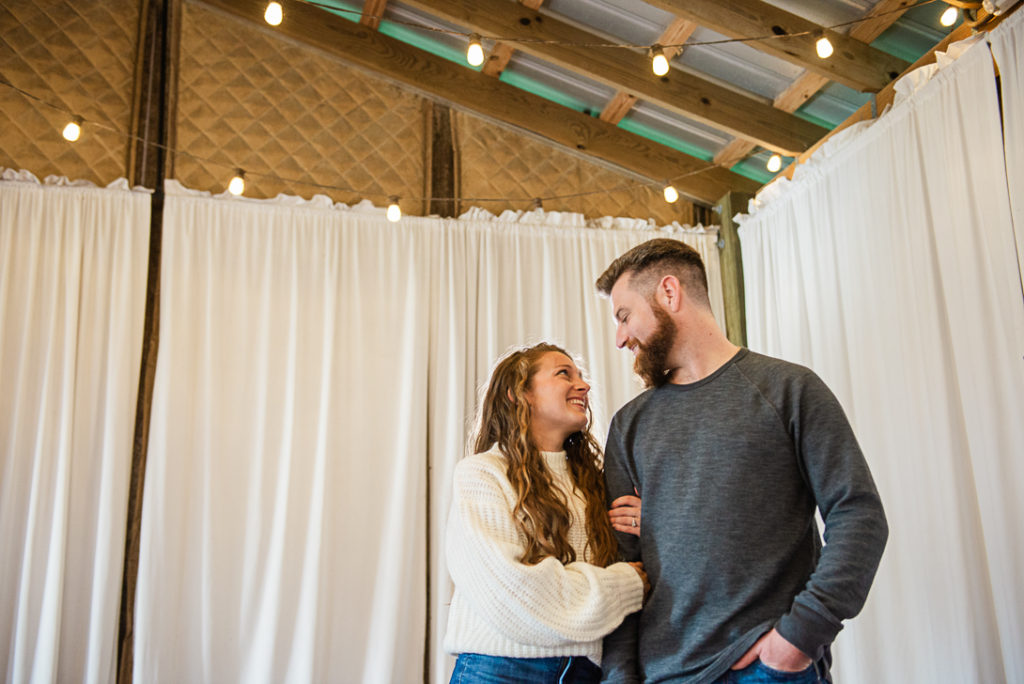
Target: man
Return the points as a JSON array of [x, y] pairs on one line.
[[731, 452]]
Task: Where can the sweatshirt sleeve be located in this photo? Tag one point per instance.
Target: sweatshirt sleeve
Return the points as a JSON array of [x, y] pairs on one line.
[[547, 604], [855, 525]]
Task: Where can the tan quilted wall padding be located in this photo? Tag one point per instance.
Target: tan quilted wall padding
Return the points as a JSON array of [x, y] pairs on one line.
[[78, 55], [249, 99], [497, 162]]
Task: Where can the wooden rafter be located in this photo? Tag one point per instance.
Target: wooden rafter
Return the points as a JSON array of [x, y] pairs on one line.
[[501, 53], [853, 63], [681, 92], [885, 97], [489, 97], [877, 20], [672, 39], [373, 10]]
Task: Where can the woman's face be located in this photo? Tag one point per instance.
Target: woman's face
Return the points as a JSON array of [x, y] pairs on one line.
[[558, 401]]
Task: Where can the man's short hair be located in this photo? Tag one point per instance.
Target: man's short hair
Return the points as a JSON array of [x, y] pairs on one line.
[[650, 261]]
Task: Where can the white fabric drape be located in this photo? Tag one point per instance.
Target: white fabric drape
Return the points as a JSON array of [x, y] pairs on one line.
[[1007, 41], [889, 266], [72, 301], [316, 375]]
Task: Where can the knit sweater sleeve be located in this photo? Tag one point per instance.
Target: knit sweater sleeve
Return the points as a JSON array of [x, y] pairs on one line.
[[547, 604], [855, 525]]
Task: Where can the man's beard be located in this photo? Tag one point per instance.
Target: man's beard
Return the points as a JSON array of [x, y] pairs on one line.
[[651, 359]]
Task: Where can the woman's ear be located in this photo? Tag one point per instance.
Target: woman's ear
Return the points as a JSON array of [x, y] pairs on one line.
[[511, 398]]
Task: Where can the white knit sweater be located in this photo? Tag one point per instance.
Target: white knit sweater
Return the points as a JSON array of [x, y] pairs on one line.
[[504, 607]]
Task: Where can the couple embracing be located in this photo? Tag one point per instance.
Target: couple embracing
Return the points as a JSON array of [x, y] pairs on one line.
[[722, 579]]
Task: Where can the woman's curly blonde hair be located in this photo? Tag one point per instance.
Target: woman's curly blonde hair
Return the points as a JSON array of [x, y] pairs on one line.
[[541, 511]]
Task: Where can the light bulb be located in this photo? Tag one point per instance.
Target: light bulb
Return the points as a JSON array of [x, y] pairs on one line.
[[949, 17], [274, 13], [659, 63], [237, 184], [394, 211], [72, 131], [824, 47], [774, 163], [475, 52], [671, 194]]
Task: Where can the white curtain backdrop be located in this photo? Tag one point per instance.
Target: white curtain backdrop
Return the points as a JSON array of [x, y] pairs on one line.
[[316, 378], [72, 301], [1007, 41], [888, 265]]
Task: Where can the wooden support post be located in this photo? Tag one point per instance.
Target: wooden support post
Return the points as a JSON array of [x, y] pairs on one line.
[[442, 186], [148, 164], [732, 267]]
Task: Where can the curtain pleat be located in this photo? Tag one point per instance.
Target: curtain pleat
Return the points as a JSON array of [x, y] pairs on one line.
[[889, 266], [72, 300], [1007, 41]]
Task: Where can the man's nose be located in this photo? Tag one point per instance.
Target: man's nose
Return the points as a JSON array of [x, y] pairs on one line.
[[620, 336]]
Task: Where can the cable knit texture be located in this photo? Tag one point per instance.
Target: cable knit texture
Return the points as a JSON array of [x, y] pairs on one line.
[[504, 607]]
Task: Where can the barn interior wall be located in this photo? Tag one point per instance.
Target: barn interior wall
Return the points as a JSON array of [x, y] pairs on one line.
[[296, 120]]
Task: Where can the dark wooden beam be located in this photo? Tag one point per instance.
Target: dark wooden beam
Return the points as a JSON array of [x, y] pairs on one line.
[[854, 64], [684, 93], [443, 186], [149, 163], [470, 90]]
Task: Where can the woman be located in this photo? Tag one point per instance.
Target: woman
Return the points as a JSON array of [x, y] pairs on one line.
[[530, 546]]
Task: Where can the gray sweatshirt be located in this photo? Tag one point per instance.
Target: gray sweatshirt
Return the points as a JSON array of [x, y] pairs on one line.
[[730, 470]]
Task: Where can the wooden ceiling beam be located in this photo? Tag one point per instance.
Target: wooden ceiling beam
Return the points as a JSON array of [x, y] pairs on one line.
[[672, 39], [887, 96], [853, 63], [470, 90], [876, 21], [559, 42]]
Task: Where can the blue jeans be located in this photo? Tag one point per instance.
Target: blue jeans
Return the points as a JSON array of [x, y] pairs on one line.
[[473, 668], [759, 673]]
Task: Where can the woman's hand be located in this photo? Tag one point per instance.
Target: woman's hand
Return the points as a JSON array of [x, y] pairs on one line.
[[639, 567], [625, 514]]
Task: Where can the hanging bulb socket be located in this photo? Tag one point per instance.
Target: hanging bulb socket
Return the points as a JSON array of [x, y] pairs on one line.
[[670, 193], [659, 62], [475, 51], [774, 163], [824, 46], [237, 185], [536, 204], [394, 212], [73, 130]]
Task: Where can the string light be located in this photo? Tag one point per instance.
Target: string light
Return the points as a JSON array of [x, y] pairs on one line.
[[671, 194], [239, 182], [394, 211], [475, 51], [659, 63], [774, 163], [950, 16], [274, 14], [237, 185], [73, 130], [824, 47]]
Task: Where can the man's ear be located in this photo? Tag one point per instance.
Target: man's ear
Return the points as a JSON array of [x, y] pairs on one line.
[[669, 293]]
